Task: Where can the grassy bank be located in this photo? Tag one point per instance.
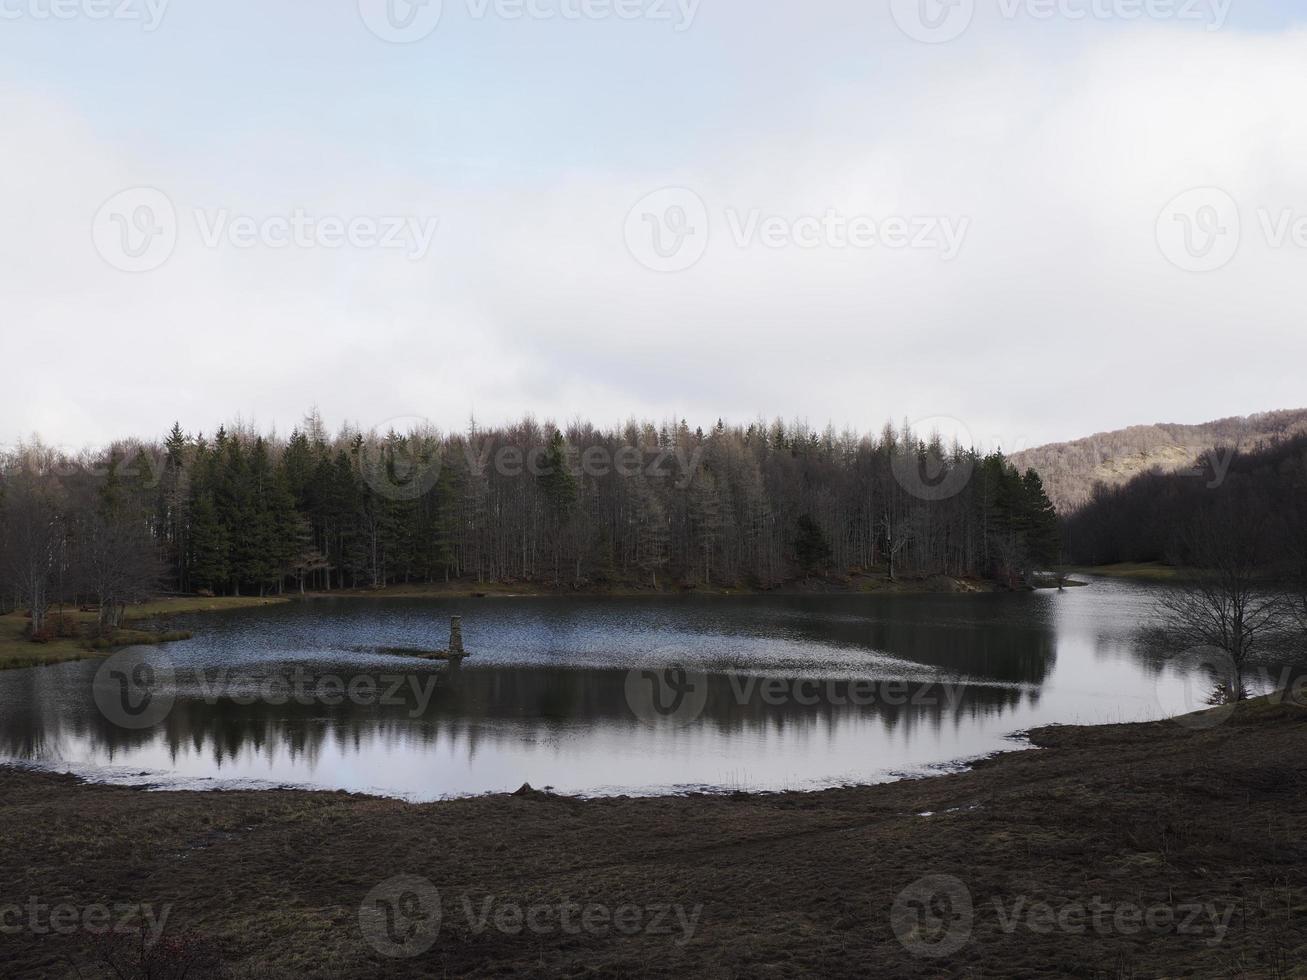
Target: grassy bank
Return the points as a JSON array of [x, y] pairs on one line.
[[1149, 821], [1152, 571], [17, 650]]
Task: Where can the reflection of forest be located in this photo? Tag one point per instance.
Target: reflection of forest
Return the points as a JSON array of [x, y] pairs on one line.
[[1004, 644], [476, 706], [990, 642]]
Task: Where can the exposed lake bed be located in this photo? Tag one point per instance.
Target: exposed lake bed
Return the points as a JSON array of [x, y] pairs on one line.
[[1170, 848]]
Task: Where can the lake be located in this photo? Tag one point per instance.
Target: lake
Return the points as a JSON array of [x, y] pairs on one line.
[[596, 696]]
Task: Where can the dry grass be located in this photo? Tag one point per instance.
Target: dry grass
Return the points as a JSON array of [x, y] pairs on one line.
[[18, 650], [1153, 571]]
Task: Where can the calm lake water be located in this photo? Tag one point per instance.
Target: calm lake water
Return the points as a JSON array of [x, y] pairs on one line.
[[596, 696]]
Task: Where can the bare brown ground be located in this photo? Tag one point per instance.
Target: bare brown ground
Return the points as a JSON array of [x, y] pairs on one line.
[[1148, 817]]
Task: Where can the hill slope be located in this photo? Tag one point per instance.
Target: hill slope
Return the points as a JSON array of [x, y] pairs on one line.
[[1071, 469]]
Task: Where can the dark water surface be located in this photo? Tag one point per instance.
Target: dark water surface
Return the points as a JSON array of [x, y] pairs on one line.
[[602, 696]]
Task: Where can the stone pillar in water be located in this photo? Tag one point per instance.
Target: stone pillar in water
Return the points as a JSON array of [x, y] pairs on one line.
[[456, 636]]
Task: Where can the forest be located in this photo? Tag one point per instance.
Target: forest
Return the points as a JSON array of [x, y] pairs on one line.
[[1260, 499], [658, 507]]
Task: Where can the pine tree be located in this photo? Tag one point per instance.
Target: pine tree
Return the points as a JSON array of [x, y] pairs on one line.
[[1044, 534], [811, 548], [445, 521], [558, 486], [209, 546]]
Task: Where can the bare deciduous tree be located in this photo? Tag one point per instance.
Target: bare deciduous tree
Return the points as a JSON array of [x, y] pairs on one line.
[[33, 534], [1229, 603], [116, 561]]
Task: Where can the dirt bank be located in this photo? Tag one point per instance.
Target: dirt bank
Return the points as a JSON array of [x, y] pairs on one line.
[[1121, 851]]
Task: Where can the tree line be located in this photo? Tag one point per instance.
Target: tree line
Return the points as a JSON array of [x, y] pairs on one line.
[[240, 512]]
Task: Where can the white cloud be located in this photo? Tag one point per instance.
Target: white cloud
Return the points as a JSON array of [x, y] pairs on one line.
[[1058, 317]]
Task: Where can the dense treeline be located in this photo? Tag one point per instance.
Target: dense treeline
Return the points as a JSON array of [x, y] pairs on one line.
[[242, 513], [1260, 494]]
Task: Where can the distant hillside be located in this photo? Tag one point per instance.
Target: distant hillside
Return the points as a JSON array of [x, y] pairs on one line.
[[1071, 469]]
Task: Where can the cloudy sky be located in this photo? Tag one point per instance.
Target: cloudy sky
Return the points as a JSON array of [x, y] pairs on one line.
[[1042, 218]]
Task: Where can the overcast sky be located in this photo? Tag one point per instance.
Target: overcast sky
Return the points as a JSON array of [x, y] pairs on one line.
[[1043, 218]]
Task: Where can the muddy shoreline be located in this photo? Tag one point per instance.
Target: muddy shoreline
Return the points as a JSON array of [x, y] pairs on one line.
[[1158, 849]]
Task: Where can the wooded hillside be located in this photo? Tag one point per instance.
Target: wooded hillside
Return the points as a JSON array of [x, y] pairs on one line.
[[1071, 470]]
